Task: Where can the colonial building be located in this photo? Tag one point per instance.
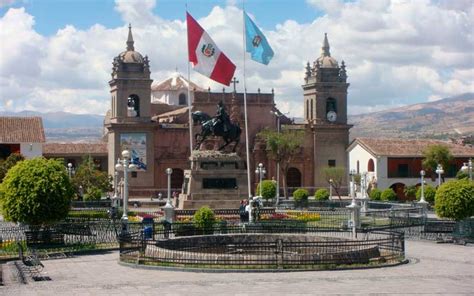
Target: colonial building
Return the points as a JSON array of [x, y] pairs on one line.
[[74, 152], [24, 135], [396, 163], [151, 120]]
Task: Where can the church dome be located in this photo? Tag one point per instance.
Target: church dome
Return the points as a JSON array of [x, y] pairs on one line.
[[130, 55], [325, 60]]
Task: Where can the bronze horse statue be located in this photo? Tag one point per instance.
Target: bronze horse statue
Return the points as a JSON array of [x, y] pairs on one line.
[[215, 126]]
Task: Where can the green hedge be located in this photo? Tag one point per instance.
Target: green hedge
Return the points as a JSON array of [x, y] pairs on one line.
[[375, 194], [300, 196], [268, 189], [321, 194], [388, 195], [429, 193], [455, 199]]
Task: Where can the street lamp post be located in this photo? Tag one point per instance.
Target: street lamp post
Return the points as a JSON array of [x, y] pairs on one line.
[[355, 215], [278, 115], [116, 202], [168, 208], [423, 203], [439, 171], [260, 171], [352, 173], [70, 170], [126, 166], [363, 189], [467, 168]]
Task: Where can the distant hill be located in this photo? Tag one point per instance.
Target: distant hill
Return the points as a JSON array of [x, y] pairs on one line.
[[442, 119], [449, 117], [67, 127]]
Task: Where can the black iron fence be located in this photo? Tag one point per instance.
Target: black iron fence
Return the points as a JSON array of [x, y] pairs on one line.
[[262, 246]]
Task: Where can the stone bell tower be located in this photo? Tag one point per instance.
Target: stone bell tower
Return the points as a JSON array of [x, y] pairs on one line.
[[129, 125], [130, 86], [325, 89], [325, 113]]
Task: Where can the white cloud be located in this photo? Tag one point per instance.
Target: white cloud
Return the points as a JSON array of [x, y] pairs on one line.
[[396, 52], [4, 3]]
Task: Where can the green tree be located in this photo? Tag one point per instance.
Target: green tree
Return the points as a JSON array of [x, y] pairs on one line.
[[335, 178], [204, 219], [434, 155], [268, 189], [375, 194], [36, 191], [300, 196], [410, 192], [8, 163], [388, 195], [428, 191], [90, 178], [455, 199], [282, 148], [322, 194]]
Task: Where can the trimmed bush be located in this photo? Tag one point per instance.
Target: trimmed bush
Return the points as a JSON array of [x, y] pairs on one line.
[[204, 219], [36, 191], [410, 192], [388, 195], [300, 196], [375, 194], [455, 199], [429, 192], [321, 194], [268, 189], [462, 175]]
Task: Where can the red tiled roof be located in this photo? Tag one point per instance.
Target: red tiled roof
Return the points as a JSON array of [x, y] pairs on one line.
[[408, 147], [21, 130], [75, 149]]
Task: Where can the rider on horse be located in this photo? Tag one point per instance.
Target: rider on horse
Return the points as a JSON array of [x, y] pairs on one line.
[[221, 117]]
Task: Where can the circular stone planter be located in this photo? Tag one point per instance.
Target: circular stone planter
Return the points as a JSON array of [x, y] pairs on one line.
[[270, 252]]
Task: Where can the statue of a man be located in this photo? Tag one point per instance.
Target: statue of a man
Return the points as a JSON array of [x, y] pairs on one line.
[[222, 117]]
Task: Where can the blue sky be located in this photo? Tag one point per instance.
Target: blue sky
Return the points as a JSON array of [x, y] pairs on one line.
[[52, 15], [56, 53]]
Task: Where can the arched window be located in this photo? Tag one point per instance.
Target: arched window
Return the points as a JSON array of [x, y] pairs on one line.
[[370, 165], [312, 110], [133, 106], [331, 105], [293, 177], [358, 168], [177, 179], [182, 99]]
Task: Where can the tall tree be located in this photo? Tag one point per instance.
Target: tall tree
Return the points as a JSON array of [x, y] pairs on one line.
[[434, 155], [335, 177], [282, 147], [90, 178]]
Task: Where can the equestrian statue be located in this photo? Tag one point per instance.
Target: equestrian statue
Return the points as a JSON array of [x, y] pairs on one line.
[[219, 126]]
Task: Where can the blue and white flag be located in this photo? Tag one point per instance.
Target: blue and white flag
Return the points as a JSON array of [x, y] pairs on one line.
[[257, 45]]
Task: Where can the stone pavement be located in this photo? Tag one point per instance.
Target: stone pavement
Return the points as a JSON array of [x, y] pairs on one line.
[[442, 269]]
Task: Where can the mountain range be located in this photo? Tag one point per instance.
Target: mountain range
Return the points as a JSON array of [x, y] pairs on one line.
[[442, 119], [446, 118]]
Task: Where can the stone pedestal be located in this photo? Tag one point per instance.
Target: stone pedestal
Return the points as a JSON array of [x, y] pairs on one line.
[[215, 179]]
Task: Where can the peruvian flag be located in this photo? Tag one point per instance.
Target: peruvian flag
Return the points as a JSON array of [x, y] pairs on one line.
[[206, 57]]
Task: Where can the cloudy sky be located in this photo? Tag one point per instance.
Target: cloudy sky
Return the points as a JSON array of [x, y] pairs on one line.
[[56, 55]]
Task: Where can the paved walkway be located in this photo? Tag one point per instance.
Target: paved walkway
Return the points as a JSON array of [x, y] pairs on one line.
[[442, 269]]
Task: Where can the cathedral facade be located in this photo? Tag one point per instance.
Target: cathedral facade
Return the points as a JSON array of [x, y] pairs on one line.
[[151, 120]]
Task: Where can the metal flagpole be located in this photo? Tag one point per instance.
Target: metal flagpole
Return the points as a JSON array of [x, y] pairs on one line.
[[247, 152], [190, 120]]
